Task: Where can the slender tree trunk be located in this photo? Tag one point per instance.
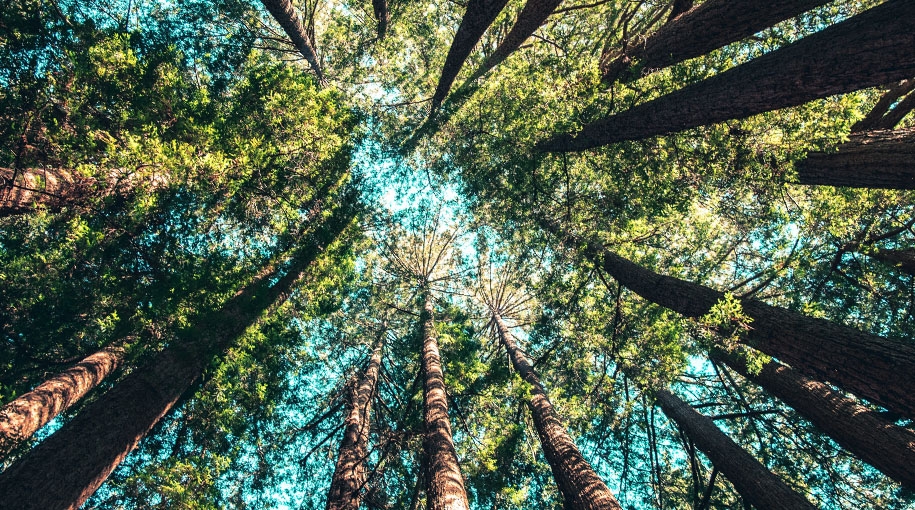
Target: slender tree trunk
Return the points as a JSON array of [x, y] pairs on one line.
[[479, 15], [284, 14], [870, 49], [65, 469], [861, 431], [580, 486], [880, 116], [752, 480], [444, 483], [25, 415], [706, 27], [874, 159], [381, 15], [349, 475]]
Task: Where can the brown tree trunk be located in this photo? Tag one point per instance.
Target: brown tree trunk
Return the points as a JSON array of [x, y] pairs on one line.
[[870, 49], [880, 116], [706, 27], [479, 15], [444, 483], [903, 260], [861, 431], [22, 417], [66, 468], [875, 159], [753, 481], [381, 14], [349, 474], [580, 486], [284, 14]]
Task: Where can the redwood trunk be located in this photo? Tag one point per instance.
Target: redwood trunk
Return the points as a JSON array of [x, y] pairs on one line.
[[870, 49], [444, 483], [580, 486], [284, 14], [861, 431], [706, 27], [65, 469], [880, 116], [875, 159], [349, 474], [753, 481]]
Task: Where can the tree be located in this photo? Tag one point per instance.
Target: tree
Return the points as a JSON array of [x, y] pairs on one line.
[[872, 159], [895, 104], [283, 12]]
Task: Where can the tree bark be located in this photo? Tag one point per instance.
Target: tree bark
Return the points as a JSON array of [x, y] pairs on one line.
[[444, 483], [752, 480], [64, 470], [381, 15], [284, 14], [861, 431], [479, 15], [580, 486], [706, 27], [878, 117], [874, 159], [870, 49], [349, 474], [903, 260]]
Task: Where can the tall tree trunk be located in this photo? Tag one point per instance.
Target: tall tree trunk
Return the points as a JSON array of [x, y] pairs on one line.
[[349, 474], [284, 14], [580, 486], [903, 260], [65, 469], [706, 27], [880, 116], [870, 49], [479, 15], [753, 481], [444, 483], [22, 417], [879, 369], [381, 15], [874, 159], [861, 431]]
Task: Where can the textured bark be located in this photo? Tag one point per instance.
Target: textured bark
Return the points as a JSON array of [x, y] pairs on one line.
[[861, 431], [881, 116], [444, 483], [867, 50], [349, 474], [479, 15], [65, 469], [25, 415], [706, 27], [580, 486], [753, 481], [284, 14], [875, 159], [381, 14], [903, 260]]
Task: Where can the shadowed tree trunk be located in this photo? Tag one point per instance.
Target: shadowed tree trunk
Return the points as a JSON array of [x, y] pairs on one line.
[[65, 469], [903, 260], [580, 486], [874, 159], [753, 481], [381, 15], [882, 116], [870, 49], [444, 483], [861, 431], [349, 474], [284, 14], [706, 27], [679, 7]]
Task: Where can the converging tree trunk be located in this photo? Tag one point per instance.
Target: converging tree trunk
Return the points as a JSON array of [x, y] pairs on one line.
[[706, 27], [65, 469], [284, 14], [870, 49], [873, 159], [753, 481], [444, 483], [349, 474], [903, 260], [861, 431], [889, 110], [580, 486], [381, 15]]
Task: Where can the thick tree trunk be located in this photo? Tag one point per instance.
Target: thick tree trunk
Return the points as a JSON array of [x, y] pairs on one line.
[[861, 431], [870, 49], [706, 27], [444, 483], [22, 417], [381, 15], [903, 260], [65, 469], [753, 481], [349, 474], [479, 15], [284, 14], [874, 159], [580, 486]]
